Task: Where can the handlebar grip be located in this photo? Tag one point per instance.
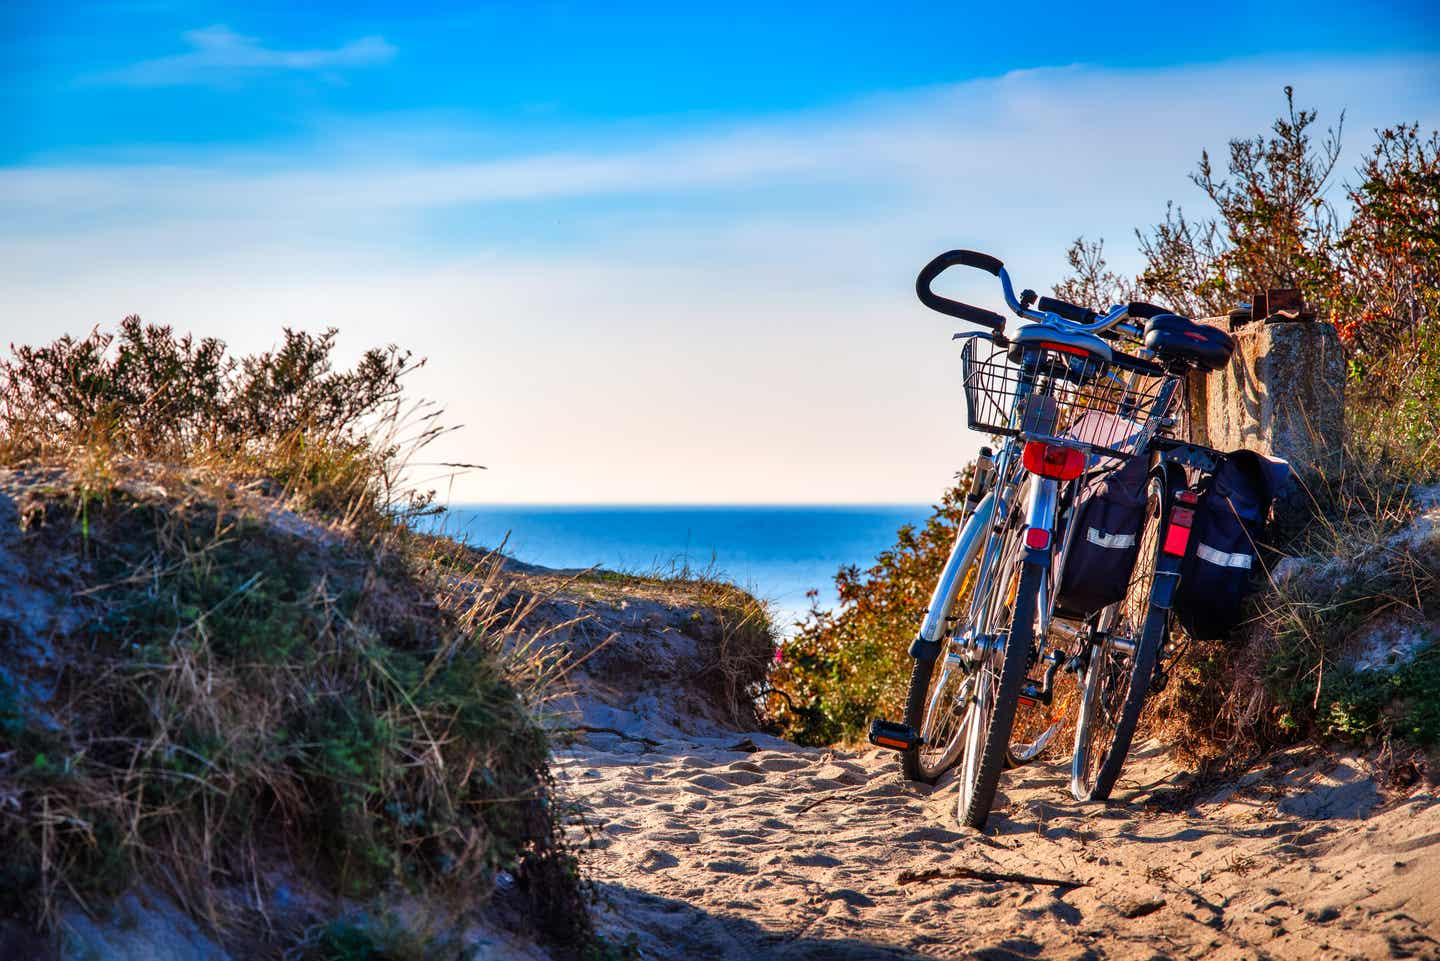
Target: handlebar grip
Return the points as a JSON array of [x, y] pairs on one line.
[[1081, 315], [973, 258], [954, 308], [962, 258], [1144, 311]]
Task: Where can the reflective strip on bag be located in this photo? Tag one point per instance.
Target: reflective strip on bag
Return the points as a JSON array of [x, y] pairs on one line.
[[1221, 559], [1112, 542]]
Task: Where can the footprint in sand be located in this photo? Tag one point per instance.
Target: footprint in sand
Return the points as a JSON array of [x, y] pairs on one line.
[[728, 866], [716, 782], [816, 861], [655, 860], [741, 778]]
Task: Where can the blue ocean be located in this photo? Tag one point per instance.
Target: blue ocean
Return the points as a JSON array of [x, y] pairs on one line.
[[777, 553]]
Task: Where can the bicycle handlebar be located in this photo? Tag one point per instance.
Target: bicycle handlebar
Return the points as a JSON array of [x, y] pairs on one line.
[[954, 308], [1051, 310], [1143, 311], [1073, 312]]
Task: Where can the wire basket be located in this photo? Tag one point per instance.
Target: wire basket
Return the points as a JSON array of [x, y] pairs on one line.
[[1081, 401]]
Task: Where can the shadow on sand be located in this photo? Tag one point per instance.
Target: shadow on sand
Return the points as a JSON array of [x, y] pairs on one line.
[[667, 928]]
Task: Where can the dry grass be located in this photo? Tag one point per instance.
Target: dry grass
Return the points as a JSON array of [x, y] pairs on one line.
[[265, 668], [1354, 560]]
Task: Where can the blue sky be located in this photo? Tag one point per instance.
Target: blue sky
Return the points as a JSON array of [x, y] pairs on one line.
[[653, 256], [76, 82]]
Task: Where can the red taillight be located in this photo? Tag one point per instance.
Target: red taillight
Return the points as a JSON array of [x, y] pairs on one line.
[[1053, 460], [1176, 539], [1177, 533], [1037, 538]]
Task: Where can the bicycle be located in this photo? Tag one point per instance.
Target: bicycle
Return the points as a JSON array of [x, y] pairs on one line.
[[1067, 405]]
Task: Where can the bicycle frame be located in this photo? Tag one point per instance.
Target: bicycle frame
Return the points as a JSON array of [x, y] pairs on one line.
[[983, 532]]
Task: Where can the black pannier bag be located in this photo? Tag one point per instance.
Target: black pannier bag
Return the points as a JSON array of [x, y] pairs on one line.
[[1106, 539], [1221, 563]]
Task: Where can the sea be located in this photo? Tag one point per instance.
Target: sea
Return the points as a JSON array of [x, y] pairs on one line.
[[778, 553]]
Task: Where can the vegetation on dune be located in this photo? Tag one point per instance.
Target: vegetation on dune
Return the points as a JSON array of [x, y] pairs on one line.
[[330, 439], [1373, 267], [844, 667], [242, 688]]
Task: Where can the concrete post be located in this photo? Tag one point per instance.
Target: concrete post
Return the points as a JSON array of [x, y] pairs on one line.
[[1282, 394]]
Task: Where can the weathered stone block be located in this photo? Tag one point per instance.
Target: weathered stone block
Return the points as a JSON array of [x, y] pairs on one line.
[[1282, 394]]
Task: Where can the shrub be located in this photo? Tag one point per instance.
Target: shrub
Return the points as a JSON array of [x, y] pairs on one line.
[[845, 666], [1273, 226], [286, 415], [235, 688], [1373, 268]]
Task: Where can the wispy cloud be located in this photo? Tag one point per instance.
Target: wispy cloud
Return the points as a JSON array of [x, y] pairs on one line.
[[1065, 146], [218, 54], [712, 314]]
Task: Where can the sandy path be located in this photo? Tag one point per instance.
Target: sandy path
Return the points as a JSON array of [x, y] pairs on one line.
[[718, 845], [706, 851]]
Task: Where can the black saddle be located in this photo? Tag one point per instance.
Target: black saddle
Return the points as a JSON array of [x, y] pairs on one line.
[[1184, 343]]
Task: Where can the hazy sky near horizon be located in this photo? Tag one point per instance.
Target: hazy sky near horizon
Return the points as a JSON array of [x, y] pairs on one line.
[[651, 256]]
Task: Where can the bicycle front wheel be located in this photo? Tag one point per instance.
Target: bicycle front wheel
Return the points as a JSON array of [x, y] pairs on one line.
[[935, 707], [1121, 664], [940, 685], [991, 714]]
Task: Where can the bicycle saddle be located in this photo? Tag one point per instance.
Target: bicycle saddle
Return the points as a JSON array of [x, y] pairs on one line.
[[1179, 341]]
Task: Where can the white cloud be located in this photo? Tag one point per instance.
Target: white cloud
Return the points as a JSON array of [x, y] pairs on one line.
[[218, 54], [726, 314]]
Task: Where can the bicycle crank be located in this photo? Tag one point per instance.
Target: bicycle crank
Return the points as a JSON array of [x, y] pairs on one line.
[[1042, 691]]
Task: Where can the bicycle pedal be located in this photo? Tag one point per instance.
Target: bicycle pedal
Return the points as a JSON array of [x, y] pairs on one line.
[[894, 737], [1033, 692], [1158, 682]]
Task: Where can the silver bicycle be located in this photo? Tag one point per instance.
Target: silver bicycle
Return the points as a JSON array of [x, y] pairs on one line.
[[1066, 405]]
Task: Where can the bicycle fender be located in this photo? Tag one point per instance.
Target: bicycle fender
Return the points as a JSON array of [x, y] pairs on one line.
[[923, 650], [1167, 578]]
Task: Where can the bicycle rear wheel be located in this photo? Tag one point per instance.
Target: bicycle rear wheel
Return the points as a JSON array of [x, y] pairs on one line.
[[1117, 680], [991, 714]]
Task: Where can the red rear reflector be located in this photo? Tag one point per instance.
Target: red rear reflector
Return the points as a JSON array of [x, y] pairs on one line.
[[1037, 538], [1183, 516], [1053, 460], [1188, 497], [1065, 348], [1176, 537]]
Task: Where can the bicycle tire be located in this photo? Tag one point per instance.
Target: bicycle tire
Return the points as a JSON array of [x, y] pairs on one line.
[[918, 698], [915, 703], [977, 790], [1141, 670]]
